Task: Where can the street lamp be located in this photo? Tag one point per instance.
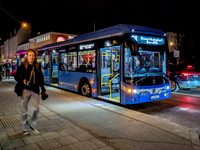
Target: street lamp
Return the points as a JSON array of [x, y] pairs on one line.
[[24, 24]]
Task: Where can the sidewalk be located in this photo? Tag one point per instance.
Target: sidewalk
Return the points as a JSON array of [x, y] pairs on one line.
[[55, 132], [59, 133]]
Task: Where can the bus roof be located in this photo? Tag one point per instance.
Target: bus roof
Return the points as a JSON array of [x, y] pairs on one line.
[[117, 30]]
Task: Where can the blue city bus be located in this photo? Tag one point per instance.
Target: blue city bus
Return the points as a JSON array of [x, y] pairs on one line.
[[125, 64]]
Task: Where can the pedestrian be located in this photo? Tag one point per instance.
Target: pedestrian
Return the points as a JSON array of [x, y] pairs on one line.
[[29, 78], [137, 68], [1, 71], [7, 67]]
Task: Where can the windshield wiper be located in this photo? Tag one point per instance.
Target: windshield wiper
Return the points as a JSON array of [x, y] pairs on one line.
[[140, 79], [150, 75]]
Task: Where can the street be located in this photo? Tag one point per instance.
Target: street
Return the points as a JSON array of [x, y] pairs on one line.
[[182, 108], [124, 127]]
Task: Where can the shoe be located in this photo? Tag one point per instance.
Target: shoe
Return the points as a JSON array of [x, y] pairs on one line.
[[26, 132], [34, 130]]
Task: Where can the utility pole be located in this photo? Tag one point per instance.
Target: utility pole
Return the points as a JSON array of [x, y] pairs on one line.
[[94, 24]]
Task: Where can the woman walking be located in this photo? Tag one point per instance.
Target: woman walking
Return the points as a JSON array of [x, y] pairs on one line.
[[29, 78]]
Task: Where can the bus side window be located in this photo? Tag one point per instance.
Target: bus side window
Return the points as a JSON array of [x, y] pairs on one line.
[[72, 61], [87, 61], [63, 62]]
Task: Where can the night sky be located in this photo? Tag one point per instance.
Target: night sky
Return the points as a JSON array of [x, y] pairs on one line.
[[77, 16]]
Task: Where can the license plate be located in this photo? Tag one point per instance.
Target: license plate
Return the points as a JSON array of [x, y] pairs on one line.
[[155, 97]]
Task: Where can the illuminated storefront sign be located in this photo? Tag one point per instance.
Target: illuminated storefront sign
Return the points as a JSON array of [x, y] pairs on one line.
[[149, 40], [60, 39], [86, 46]]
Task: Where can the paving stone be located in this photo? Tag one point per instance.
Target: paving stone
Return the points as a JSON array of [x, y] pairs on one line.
[[53, 116], [42, 119], [18, 128], [3, 137], [41, 130], [49, 144], [77, 129], [12, 143], [7, 130], [42, 124], [105, 148], [83, 136], [52, 128], [68, 147], [86, 145], [53, 121], [29, 147], [67, 131], [63, 120], [32, 139], [50, 135], [67, 140], [15, 135], [66, 124], [98, 142]]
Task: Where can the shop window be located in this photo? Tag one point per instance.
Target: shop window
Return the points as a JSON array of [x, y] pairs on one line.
[[63, 62], [72, 57], [87, 61]]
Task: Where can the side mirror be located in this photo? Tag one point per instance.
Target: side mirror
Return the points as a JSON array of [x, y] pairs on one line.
[[133, 47]]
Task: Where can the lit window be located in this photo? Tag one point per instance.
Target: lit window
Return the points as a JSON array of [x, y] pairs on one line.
[[48, 37]]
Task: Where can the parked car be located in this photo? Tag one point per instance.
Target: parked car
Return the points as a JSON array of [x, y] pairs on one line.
[[183, 77]]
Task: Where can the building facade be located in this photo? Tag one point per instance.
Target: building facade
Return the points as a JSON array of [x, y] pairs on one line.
[[1, 52], [172, 40], [48, 38], [10, 46], [24, 46]]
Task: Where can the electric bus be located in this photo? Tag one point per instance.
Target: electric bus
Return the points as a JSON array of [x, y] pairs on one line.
[[125, 64]]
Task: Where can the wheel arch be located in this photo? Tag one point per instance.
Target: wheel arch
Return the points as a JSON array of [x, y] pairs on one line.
[[82, 81]]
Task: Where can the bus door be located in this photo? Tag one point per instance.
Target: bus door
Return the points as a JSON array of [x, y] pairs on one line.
[[110, 73], [54, 69]]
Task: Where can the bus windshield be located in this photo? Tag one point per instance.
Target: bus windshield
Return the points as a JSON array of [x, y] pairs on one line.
[[146, 63]]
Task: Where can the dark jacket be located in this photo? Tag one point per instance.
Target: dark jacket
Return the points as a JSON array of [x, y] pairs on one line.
[[7, 65], [22, 74], [1, 69]]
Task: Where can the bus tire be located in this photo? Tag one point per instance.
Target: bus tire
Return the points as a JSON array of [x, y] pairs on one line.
[[174, 86], [85, 89]]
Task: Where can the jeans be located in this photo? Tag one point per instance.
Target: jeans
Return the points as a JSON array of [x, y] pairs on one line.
[[7, 73], [28, 95]]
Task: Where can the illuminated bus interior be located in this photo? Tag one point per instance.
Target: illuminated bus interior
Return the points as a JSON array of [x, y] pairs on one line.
[[110, 73]]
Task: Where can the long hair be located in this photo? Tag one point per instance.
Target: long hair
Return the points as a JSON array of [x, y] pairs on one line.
[[35, 63]]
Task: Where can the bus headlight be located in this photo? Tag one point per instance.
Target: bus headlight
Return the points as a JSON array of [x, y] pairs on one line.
[[167, 87], [135, 91], [129, 91]]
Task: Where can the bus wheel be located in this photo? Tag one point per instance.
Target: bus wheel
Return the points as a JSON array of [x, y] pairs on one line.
[[85, 89], [174, 86]]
